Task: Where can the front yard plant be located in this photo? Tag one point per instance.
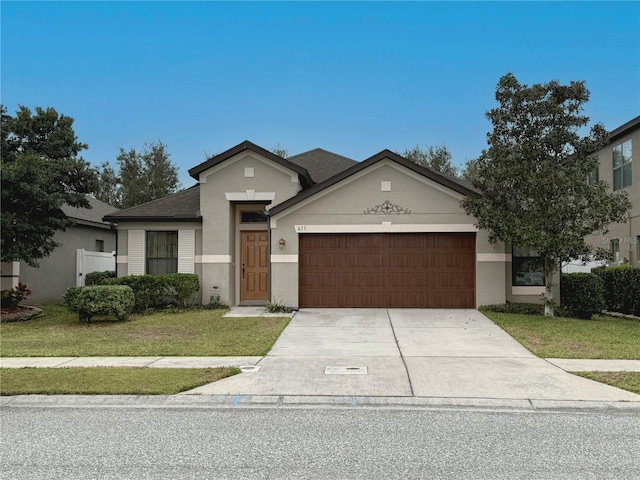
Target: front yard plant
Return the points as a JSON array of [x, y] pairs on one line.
[[12, 297], [621, 288], [159, 291], [582, 294], [113, 300]]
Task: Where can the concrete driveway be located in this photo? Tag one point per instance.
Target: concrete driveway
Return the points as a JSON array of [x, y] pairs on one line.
[[405, 353]]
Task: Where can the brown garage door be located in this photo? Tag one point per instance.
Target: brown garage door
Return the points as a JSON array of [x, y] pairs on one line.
[[426, 270]]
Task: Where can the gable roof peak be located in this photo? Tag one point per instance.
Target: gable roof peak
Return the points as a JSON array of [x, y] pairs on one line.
[[453, 183], [303, 174]]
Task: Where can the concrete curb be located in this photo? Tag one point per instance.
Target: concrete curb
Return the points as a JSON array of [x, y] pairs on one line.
[[292, 401]]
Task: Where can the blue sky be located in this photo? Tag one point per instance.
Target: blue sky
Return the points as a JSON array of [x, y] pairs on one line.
[[350, 77]]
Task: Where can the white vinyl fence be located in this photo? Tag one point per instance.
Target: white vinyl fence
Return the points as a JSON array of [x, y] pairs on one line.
[[87, 262]]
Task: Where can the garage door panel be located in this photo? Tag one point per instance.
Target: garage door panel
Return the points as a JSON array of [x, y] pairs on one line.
[[362, 259], [363, 242], [363, 279], [387, 270]]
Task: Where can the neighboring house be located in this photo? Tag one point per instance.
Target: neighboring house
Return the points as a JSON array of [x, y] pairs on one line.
[[321, 230], [619, 166], [61, 270]]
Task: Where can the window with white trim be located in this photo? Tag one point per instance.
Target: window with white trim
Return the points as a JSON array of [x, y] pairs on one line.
[[526, 268], [162, 252], [622, 165]]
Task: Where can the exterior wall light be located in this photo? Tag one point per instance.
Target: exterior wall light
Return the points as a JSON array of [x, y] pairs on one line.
[[282, 242]]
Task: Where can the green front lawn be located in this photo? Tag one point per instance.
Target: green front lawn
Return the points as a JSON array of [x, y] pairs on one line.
[[184, 333], [625, 380], [107, 381], [558, 337]]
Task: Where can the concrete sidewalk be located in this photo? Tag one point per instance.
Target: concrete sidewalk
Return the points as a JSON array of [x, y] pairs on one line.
[[150, 362], [567, 364]]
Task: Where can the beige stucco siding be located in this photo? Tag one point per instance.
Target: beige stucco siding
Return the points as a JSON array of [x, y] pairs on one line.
[[248, 178], [626, 233], [421, 205]]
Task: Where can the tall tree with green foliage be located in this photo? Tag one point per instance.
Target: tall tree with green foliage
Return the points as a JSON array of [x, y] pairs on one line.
[[436, 157], [534, 175], [141, 177], [470, 171], [41, 172]]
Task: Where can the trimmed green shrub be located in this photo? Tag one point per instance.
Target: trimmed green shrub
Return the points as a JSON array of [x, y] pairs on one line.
[[158, 291], [71, 298], [147, 290], [116, 300], [517, 308], [98, 278], [582, 294], [621, 288], [182, 287]]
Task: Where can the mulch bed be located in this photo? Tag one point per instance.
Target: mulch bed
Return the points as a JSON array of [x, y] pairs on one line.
[[19, 314]]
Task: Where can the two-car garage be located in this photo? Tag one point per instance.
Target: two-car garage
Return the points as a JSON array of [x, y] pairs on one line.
[[392, 270]]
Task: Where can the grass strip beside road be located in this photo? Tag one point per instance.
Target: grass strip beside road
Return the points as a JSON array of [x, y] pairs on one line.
[[107, 380], [58, 333], [625, 380], [559, 337]]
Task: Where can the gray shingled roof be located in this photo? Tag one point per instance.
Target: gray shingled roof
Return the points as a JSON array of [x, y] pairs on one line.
[[180, 206], [90, 216], [322, 164]]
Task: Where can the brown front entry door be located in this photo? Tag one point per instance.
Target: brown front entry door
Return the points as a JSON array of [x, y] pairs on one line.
[[254, 269]]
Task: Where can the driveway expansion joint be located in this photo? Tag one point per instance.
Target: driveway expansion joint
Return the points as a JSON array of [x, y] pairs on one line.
[[406, 369]]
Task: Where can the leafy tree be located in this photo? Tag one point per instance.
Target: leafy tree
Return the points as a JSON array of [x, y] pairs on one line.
[[141, 177], [470, 171], [534, 174], [280, 151], [41, 171], [436, 157]]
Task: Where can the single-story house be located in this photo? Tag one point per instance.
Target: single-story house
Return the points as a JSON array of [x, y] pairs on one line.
[[89, 245], [321, 230]]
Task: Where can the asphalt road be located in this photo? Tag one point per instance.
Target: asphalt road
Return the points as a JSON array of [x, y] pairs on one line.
[[319, 443]]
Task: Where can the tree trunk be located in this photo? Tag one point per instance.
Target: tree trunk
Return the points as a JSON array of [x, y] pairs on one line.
[[550, 267]]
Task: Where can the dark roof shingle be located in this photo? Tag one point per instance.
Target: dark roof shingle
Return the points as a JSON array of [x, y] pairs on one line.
[[90, 216], [322, 164], [180, 206]]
